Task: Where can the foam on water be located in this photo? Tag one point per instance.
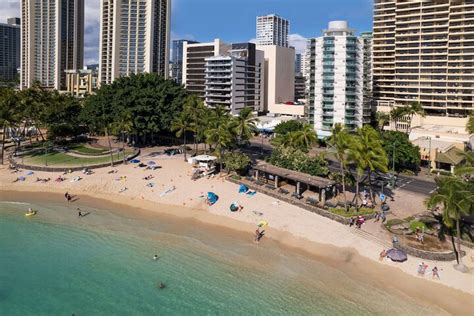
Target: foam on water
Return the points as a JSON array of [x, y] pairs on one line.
[[58, 264]]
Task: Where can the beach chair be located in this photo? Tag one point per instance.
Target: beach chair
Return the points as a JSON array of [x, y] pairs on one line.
[[312, 201], [270, 187], [283, 191]]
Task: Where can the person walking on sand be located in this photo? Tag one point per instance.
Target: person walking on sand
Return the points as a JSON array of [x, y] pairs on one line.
[[435, 272], [383, 254], [66, 196]]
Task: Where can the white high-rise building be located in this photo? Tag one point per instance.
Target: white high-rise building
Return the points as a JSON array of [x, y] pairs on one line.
[[272, 30], [235, 79], [336, 79], [134, 38], [52, 41]]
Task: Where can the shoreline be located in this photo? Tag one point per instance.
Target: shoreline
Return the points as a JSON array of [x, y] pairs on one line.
[[343, 259]]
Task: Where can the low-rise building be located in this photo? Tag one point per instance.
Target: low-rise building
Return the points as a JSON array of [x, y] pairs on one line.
[[439, 154], [81, 82]]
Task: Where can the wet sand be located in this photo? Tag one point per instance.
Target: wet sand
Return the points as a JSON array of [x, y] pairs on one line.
[[357, 267]]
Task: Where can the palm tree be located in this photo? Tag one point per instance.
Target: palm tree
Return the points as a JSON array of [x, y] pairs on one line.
[[467, 167], [470, 123], [415, 108], [397, 114], [366, 151], [382, 119], [123, 124], [195, 109], [304, 138], [181, 125], [340, 140], [9, 115], [220, 137], [245, 125], [456, 197]]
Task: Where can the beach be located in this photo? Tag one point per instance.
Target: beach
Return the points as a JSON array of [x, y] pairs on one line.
[[289, 226]]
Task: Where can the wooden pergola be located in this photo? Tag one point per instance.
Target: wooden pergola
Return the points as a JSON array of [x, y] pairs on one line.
[[264, 169]]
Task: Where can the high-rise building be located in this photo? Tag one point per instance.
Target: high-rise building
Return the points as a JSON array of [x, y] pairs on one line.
[[272, 30], [9, 50], [367, 97], [134, 38], [279, 78], [177, 59], [423, 51], [194, 64], [235, 79], [52, 41], [335, 79]]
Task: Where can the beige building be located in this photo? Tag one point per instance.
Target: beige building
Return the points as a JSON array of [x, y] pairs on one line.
[[194, 64], [279, 75], [52, 40], [134, 38], [439, 154], [423, 50], [81, 82]]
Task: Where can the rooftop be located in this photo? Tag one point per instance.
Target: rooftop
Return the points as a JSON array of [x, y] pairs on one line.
[[293, 175]]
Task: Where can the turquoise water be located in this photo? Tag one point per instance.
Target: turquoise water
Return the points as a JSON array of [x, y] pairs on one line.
[[57, 264]]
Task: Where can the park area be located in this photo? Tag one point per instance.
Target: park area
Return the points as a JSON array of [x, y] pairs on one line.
[[84, 154]]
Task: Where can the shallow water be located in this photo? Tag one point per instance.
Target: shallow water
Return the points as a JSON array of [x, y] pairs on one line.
[[58, 264]]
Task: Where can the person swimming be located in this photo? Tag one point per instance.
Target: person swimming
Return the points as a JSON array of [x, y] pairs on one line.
[[155, 257], [161, 285]]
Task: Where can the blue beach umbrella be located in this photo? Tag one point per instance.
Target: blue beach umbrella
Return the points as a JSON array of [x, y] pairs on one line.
[[135, 161], [397, 255], [212, 197], [243, 188]]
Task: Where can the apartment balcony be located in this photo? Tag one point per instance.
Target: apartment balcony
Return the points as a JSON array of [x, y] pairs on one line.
[[215, 101], [217, 95], [216, 76]]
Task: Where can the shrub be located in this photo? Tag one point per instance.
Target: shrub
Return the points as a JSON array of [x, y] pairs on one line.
[[297, 160], [417, 224], [352, 211], [236, 162]]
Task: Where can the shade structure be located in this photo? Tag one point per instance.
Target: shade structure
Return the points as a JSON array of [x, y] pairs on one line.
[[397, 255], [135, 161], [212, 197]]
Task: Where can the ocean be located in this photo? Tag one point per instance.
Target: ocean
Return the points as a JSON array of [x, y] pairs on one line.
[[55, 263]]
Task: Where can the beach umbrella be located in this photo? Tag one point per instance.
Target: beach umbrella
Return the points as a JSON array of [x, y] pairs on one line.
[[212, 197], [234, 207], [29, 173], [397, 255], [243, 188], [151, 163], [135, 161]]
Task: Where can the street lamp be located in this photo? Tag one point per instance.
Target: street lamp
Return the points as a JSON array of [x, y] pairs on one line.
[[429, 155]]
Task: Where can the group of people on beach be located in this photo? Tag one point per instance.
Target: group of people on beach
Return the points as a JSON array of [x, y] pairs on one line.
[[422, 267], [358, 221]]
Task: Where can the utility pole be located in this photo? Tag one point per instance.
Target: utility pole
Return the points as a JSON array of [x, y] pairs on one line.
[[393, 158], [429, 156]]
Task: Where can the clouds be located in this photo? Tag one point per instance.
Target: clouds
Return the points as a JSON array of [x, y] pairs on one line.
[[9, 10]]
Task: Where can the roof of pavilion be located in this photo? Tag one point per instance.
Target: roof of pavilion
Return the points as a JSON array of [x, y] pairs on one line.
[[293, 175]]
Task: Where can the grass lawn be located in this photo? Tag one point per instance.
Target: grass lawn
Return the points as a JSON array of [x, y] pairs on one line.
[[59, 159], [352, 211], [84, 149]]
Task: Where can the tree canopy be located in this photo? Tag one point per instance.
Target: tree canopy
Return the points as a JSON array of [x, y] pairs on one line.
[[407, 155], [151, 101]]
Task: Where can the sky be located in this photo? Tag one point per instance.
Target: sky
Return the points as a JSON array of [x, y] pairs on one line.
[[232, 20]]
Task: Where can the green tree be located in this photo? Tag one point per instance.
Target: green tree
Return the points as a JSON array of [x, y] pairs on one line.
[[396, 114], [305, 138], [456, 197], [401, 152], [470, 123], [245, 125], [366, 151], [61, 116], [236, 162], [296, 159], [415, 108], [466, 169], [152, 102], [382, 119], [197, 112], [340, 141], [122, 125], [181, 125], [288, 126], [220, 137], [9, 114]]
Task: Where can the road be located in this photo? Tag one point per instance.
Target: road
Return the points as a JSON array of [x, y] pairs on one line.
[[404, 183]]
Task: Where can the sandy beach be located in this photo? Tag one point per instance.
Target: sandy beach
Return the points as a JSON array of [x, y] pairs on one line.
[[288, 225]]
